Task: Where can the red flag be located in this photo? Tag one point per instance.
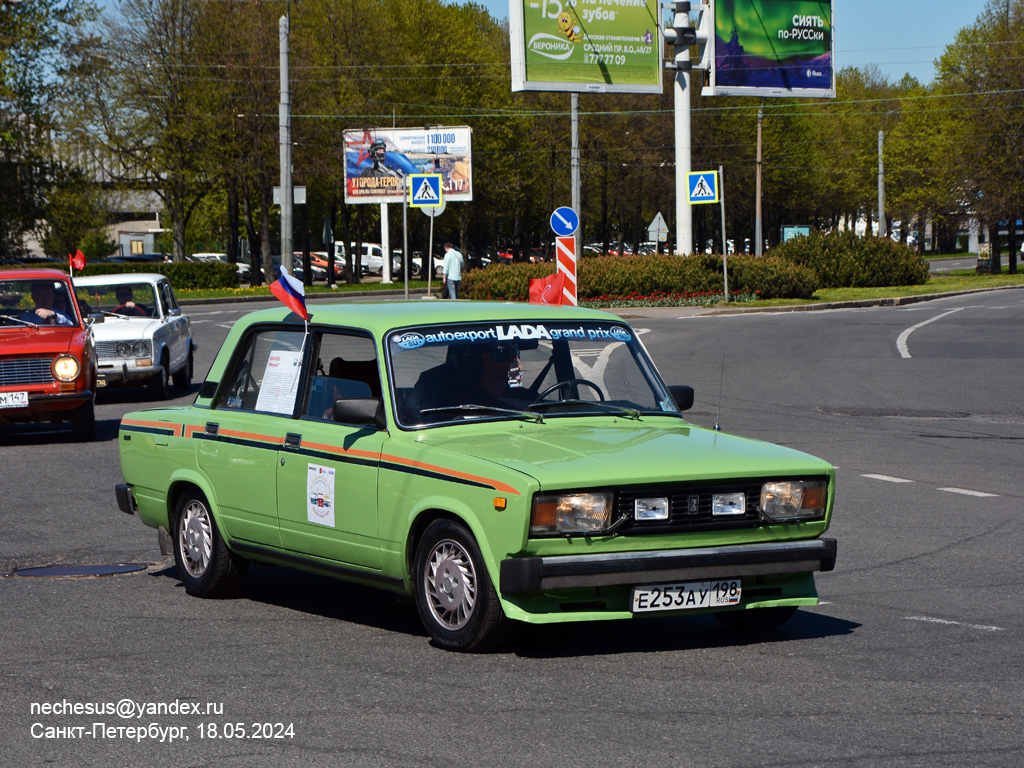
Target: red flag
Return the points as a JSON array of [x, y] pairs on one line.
[[547, 290], [77, 261]]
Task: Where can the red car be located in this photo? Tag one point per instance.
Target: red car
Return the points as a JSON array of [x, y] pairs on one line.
[[47, 362]]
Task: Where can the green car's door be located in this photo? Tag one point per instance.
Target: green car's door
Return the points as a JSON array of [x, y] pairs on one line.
[[327, 473], [240, 445]]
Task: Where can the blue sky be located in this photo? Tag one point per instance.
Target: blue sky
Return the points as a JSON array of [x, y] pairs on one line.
[[899, 36]]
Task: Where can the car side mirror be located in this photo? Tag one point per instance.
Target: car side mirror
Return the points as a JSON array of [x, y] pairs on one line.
[[360, 410], [683, 397], [174, 312], [95, 317]]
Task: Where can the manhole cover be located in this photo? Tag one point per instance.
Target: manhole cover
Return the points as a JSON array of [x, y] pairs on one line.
[[80, 571]]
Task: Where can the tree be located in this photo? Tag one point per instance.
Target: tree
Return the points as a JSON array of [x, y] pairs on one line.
[[148, 126], [40, 42], [983, 72]]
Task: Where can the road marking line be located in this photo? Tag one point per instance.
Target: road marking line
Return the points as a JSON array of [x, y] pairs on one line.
[[965, 492], [901, 342], [929, 619], [889, 479]]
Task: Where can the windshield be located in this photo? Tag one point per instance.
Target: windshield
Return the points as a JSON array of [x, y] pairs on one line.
[[36, 302], [123, 299], [534, 371]]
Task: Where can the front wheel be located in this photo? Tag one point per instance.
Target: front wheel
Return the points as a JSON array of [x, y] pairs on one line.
[[756, 619], [83, 423], [160, 384], [183, 378], [455, 598], [205, 564]]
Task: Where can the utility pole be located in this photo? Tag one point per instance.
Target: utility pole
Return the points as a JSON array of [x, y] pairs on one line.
[[286, 148], [881, 188]]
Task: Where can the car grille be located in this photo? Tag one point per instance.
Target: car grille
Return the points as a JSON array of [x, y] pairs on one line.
[[109, 348], [33, 370], [689, 507]]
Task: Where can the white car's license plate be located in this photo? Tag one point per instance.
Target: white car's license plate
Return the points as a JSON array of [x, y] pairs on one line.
[[13, 399], [717, 593]]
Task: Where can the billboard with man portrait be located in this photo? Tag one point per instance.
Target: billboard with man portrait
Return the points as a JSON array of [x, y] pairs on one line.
[[378, 161]]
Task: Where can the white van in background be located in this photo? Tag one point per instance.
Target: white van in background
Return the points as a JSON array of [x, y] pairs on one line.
[[373, 257]]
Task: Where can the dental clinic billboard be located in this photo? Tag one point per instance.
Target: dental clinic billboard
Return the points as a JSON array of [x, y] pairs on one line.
[[772, 48], [587, 46]]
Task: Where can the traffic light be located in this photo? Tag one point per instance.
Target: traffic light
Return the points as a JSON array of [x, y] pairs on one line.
[[682, 35]]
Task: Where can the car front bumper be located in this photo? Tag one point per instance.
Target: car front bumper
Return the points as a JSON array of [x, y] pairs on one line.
[[535, 574], [111, 373]]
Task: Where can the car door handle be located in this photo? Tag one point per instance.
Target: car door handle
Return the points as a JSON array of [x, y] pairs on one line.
[[291, 440], [211, 429]]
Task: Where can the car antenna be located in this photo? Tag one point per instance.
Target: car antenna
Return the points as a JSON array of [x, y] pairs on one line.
[[721, 380]]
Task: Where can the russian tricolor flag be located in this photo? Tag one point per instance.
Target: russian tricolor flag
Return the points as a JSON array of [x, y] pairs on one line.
[[292, 293]]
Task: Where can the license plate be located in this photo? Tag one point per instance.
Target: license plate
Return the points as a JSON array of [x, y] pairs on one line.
[[13, 399], [687, 596]]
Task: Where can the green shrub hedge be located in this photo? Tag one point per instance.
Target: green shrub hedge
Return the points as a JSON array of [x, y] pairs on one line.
[[844, 260], [189, 275], [603, 277]]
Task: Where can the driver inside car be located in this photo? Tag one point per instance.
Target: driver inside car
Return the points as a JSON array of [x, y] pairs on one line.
[[126, 302], [45, 312]]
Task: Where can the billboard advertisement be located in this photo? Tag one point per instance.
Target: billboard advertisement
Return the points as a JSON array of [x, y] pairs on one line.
[[772, 48], [587, 46], [378, 162]]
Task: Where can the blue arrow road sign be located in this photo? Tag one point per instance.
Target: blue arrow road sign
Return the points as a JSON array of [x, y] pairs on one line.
[[703, 187], [564, 221]]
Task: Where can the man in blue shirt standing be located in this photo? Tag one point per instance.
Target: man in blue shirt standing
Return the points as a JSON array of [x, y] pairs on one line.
[[452, 270]]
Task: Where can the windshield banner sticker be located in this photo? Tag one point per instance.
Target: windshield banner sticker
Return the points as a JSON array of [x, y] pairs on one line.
[[512, 332]]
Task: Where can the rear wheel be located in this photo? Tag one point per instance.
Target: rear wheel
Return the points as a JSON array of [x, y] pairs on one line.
[[756, 619], [454, 595], [205, 564]]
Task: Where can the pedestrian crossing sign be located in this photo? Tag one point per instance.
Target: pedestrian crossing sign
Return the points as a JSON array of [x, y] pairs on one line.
[[425, 190], [703, 187]]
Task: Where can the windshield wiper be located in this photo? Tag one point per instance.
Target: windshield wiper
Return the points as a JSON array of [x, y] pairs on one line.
[[490, 408], [19, 320], [631, 413]]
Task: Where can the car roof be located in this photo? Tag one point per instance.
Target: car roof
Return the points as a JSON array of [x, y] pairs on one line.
[[128, 277], [381, 317], [33, 274]]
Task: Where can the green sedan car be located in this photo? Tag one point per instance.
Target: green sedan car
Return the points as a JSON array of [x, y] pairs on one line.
[[498, 463]]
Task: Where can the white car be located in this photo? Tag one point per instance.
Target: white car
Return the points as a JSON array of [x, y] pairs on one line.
[[139, 331]]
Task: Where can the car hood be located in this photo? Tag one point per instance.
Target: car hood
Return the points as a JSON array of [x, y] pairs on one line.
[[116, 329], [35, 341], [563, 455]]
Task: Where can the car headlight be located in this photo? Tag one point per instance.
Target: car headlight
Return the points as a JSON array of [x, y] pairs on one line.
[[133, 349], [65, 368], [794, 500], [567, 513]]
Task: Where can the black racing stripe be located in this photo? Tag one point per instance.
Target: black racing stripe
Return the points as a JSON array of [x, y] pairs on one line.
[[342, 458], [335, 457], [431, 474], [291, 558], [147, 430]]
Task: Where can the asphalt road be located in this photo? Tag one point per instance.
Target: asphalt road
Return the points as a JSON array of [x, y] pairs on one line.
[[914, 658]]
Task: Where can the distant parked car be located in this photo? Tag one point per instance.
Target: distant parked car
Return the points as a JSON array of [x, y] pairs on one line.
[[242, 266], [47, 360], [142, 337]]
